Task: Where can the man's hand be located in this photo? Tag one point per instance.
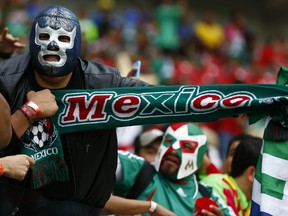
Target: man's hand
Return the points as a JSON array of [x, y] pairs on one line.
[[216, 212], [46, 103], [16, 166], [45, 100], [8, 44], [131, 74]]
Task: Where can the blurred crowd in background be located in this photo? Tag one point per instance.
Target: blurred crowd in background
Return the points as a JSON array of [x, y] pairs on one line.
[[174, 48]]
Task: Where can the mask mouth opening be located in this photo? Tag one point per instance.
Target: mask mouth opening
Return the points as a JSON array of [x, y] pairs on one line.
[[172, 159], [51, 58]]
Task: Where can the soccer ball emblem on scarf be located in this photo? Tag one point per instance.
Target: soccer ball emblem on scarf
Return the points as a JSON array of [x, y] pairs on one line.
[[40, 134]]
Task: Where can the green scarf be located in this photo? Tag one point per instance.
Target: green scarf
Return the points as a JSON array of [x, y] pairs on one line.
[[81, 110], [42, 142], [109, 108]]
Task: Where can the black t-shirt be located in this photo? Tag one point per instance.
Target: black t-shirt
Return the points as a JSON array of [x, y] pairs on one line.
[[76, 81], [90, 157]]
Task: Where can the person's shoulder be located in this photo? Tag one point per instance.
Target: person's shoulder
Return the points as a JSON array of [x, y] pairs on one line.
[[15, 65], [95, 68], [131, 163], [17, 58], [213, 177], [129, 155]]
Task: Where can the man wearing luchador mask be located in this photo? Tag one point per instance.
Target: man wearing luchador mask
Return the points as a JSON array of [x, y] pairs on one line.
[[75, 172], [173, 184]]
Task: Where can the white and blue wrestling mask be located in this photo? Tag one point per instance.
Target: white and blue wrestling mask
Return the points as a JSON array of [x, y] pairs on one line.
[[190, 145], [55, 41]]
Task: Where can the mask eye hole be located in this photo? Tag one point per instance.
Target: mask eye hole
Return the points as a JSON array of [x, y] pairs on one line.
[[64, 39], [188, 146], [44, 36], [168, 140]]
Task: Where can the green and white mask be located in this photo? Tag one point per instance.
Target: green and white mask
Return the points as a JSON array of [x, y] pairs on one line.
[[190, 144]]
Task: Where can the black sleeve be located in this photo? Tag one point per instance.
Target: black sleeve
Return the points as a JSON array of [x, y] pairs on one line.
[[12, 146]]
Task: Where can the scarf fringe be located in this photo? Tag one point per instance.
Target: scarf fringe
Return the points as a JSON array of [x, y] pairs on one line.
[[49, 171], [275, 132]]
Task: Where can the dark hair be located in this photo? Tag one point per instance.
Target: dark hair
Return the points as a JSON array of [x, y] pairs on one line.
[[239, 137], [246, 154], [137, 145]]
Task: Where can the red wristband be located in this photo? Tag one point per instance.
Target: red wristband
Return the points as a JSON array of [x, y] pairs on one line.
[[34, 107], [1, 169], [29, 115]]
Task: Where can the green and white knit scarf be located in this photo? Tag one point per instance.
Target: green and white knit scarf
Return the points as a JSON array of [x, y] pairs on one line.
[[81, 110]]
